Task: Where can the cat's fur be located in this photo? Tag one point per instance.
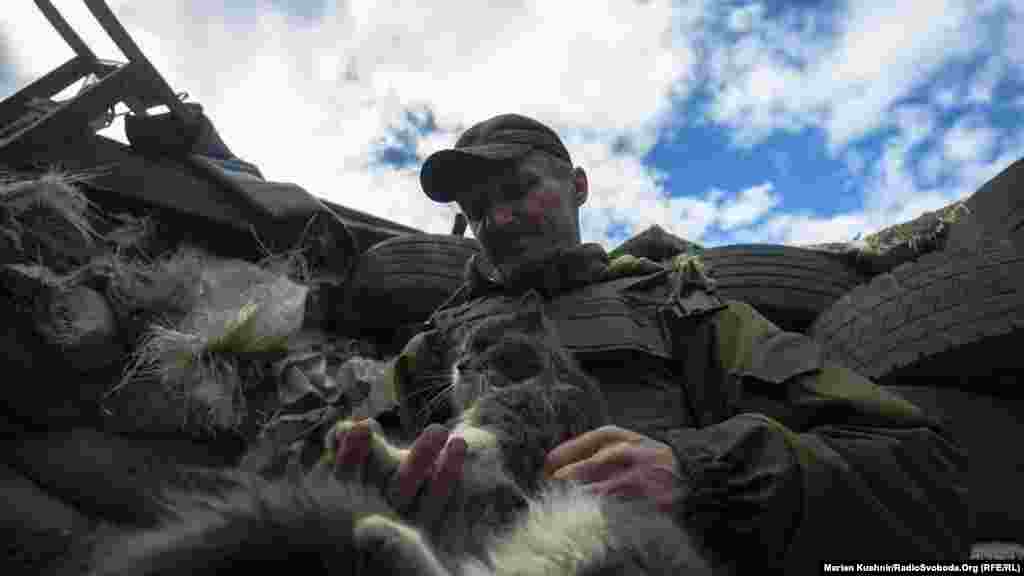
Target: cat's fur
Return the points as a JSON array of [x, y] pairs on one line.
[[517, 394]]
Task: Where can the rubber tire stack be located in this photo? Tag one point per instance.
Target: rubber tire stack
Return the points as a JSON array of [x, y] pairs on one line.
[[790, 286], [947, 316], [397, 283]]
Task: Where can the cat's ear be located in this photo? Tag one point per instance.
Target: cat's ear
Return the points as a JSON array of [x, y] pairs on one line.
[[531, 307]]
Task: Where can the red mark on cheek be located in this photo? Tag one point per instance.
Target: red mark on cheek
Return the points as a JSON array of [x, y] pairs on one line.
[[541, 203]]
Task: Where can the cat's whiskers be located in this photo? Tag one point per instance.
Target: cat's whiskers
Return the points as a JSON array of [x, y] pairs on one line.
[[435, 386], [437, 394], [436, 400], [430, 383], [483, 384]]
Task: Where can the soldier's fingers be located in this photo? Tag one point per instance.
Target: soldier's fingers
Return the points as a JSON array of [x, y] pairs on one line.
[[442, 482], [628, 485], [656, 485], [584, 446], [352, 451], [600, 466], [418, 464]]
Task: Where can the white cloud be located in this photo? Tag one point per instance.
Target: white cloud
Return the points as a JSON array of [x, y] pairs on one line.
[[932, 167], [972, 175], [744, 18], [625, 192], [969, 140], [985, 80], [915, 123], [750, 205], [786, 75], [797, 229], [855, 161], [1013, 47]]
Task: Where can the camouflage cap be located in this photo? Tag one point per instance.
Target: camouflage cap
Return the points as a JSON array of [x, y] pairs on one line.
[[503, 137]]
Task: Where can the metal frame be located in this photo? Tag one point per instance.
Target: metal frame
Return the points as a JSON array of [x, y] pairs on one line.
[[137, 83]]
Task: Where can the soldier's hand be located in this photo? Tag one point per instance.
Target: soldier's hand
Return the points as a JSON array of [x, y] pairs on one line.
[[434, 458], [613, 460]]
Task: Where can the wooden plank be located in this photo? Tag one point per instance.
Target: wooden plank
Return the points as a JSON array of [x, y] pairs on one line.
[[48, 86], [369, 222], [147, 73], [165, 183], [75, 114], [65, 30]]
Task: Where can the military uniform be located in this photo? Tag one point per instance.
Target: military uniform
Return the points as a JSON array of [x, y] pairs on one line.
[[789, 460]]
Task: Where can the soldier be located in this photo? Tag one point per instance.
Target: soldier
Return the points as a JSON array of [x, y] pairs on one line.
[[781, 459]]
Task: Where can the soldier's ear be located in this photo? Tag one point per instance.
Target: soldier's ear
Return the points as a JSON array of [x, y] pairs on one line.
[[580, 186]]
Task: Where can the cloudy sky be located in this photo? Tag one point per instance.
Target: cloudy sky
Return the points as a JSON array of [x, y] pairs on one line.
[[723, 122]]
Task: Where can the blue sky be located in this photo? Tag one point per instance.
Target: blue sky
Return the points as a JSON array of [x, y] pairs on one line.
[[723, 122]]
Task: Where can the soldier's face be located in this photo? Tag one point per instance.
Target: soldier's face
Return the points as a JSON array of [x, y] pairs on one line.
[[523, 210]]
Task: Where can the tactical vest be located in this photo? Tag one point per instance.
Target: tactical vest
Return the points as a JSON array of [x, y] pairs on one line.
[[642, 315], [602, 316]]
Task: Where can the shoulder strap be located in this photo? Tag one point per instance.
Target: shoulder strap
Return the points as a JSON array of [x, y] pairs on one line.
[[688, 318]]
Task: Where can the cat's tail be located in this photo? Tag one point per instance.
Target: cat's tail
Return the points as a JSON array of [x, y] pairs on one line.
[[310, 527]]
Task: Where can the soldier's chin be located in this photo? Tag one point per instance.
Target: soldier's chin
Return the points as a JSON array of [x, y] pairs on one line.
[[513, 262]]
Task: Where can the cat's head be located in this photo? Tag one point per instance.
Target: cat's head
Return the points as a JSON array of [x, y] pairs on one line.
[[519, 359]]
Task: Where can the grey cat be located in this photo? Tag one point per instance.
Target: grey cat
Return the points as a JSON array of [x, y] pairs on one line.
[[516, 394]]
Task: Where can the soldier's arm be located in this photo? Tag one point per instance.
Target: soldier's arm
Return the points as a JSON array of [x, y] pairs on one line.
[[809, 461]]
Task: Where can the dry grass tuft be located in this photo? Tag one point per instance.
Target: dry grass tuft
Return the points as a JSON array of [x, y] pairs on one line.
[[954, 213], [682, 261], [201, 356], [54, 191], [166, 289], [914, 233]]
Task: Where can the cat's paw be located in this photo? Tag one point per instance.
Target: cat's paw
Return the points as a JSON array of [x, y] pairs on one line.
[[359, 451], [390, 547]]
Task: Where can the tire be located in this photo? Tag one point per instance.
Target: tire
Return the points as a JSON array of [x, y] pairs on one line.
[[790, 286], [982, 425], [996, 209], [400, 281], [949, 316]]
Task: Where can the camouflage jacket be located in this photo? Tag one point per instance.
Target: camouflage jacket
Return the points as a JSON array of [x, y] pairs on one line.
[[791, 461]]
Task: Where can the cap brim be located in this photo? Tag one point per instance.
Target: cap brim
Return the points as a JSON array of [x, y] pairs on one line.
[[446, 172]]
